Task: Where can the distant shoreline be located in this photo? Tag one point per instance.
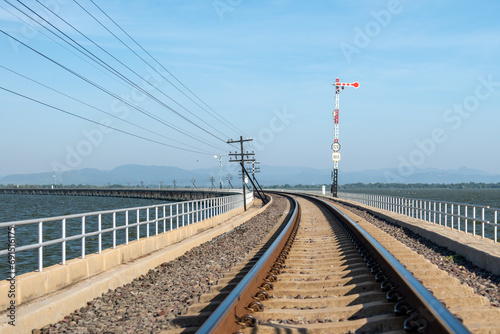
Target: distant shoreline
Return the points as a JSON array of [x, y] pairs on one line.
[[350, 186], [355, 186]]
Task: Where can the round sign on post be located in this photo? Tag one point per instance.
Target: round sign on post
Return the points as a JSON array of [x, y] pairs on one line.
[[336, 156], [336, 147]]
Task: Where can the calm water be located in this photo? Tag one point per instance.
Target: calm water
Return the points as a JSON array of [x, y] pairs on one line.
[[485, 197], [24, 207], [490, 197]]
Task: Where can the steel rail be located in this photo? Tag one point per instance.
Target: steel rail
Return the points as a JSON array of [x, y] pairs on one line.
[[233, 311], [418, 303]]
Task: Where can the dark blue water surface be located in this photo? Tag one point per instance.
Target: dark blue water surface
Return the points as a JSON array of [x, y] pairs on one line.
[[25, 207]]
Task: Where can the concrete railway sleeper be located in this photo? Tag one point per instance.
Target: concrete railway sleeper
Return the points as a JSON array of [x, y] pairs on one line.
[[323, 274]]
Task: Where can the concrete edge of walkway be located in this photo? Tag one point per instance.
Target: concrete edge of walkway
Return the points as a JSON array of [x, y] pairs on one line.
[[484, 253], [53, 308]]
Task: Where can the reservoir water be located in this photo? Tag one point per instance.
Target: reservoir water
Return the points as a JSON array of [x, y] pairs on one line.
[[24, 207], [489, 197]]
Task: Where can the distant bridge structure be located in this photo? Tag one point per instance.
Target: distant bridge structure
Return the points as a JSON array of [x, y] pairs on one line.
[[166, 194]]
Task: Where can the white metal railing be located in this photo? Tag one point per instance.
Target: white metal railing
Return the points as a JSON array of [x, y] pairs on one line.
[[474, 219], [86, 230]]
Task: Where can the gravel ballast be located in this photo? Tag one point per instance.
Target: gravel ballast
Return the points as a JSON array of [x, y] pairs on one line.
[[147, 303], [481, 281]]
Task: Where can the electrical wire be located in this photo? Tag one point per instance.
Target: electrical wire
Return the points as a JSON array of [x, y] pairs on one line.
[[126, 66], [115, 71], [101, 124], [60, 44], [227, 123], [104, 89], [93, 107]]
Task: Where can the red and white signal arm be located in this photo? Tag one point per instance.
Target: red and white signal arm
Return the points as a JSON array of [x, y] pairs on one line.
[[354, 84], [336, 156]]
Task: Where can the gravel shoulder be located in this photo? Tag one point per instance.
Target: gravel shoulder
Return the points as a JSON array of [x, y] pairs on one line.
[[147, 303]]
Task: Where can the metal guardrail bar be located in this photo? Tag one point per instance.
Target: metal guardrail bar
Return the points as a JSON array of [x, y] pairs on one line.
[[450, 214], [178, 214]]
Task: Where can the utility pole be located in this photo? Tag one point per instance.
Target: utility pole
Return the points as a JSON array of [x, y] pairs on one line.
[[228, 178], [255, 169], [241, 158], [339, 86], [220, 166]]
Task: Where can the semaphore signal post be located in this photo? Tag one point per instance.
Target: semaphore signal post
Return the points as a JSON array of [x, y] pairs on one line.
[[339, 86]]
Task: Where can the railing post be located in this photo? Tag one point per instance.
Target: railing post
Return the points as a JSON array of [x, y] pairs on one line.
[[40, 249], [126, 228], [458, 218], [482, 223], [495, 228], [466, 219], [474, 221], [176, 215], [83, 237], [171, 217], [194, 214], [182, 207], [434, 220], [99, 236], [446, 214], [114, 230], [425, 210], [156, 220], [164, 218], [452, 215], [63, 250], [138, 226], [440, 213], [147, 223]]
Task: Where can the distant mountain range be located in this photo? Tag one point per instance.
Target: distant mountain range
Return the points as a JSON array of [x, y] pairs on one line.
[[270, 175]]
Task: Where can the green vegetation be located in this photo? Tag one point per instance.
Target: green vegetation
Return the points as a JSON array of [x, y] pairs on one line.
[[470, 185], [456, 258], [359, 185], [351, 186]]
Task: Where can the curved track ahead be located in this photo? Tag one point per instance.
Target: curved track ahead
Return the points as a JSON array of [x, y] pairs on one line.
[[322, 274]]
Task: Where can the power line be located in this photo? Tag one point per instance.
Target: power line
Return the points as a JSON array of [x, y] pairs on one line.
[[93, 107], [111, 68], [59, 43], [105, 90], [131, 70], [100, 124], [230, 125]]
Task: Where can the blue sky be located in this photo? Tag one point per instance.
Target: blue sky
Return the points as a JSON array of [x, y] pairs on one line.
[[429, 79]]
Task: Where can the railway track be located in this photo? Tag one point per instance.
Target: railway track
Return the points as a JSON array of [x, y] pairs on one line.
[[323, 273]]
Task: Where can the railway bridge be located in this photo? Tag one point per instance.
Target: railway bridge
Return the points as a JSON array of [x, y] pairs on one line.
[[301, 263], [166, 194]]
